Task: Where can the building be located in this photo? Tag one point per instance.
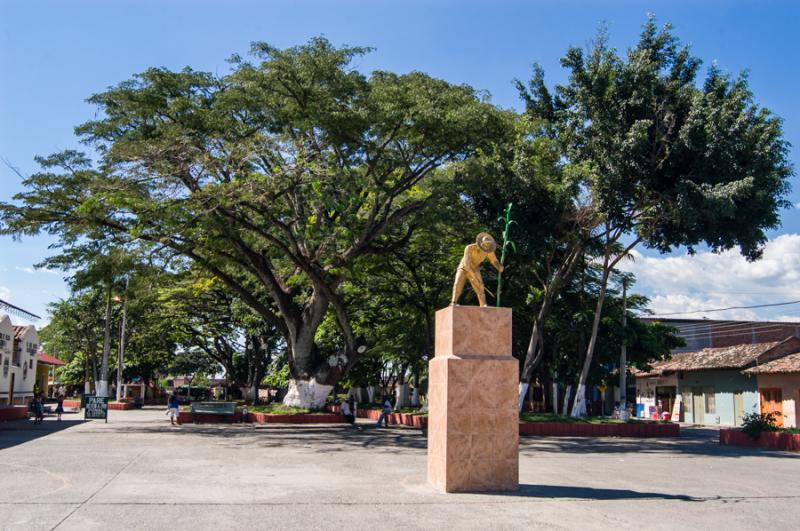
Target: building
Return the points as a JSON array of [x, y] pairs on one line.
[[45, 372], [708, 333], [711, 385], [779, 388], [18, 348]]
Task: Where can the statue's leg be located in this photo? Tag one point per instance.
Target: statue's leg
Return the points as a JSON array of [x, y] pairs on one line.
[[477, 284], [458, 285]]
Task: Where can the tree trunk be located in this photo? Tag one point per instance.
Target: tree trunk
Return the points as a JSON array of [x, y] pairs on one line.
[[401, 396], [307, 393], [567, 396], [555, 398], [535, 351], [579, 408]]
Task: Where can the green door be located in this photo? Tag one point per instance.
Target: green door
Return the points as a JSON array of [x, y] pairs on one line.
[[698, 406], [738, 408]]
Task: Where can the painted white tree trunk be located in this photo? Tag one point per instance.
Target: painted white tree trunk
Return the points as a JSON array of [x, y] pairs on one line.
[[401, 396], [101, 388], [579, 407], [523, 390], [87, 388], [309, 394], [371, 393], [415, 397], [567, 395], [249, 393], [555, 398]]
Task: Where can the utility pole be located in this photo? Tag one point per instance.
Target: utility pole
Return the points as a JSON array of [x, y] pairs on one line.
[[121, 350], [623, 357]]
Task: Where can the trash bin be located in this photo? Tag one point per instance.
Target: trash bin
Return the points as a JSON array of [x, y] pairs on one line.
[[640, 410]]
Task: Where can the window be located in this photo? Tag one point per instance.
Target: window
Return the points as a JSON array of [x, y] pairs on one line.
[[711, 400], [31, 364]]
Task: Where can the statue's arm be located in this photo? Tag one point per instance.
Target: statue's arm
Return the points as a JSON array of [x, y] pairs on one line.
[[495, 262]]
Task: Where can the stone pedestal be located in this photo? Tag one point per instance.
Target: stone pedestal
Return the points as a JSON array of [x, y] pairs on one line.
[[473, 423]]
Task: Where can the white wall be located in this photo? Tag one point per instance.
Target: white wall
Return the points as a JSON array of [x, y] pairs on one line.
[[25, 373]]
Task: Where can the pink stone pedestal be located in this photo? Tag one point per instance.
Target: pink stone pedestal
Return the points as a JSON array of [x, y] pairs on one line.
[[473, 423]]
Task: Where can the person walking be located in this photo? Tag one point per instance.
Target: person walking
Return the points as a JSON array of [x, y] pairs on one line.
[[173, 408], [60, 406], [38, 409], [348, 411], [387, 410]]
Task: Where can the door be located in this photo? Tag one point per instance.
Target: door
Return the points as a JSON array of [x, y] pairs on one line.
[[11, 390], [738, 408], [698, 406], [772, 402]]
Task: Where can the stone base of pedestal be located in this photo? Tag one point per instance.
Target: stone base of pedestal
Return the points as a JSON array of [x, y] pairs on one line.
[[473, 423]]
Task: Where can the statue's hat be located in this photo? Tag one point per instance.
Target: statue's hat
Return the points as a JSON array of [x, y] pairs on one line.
[[486, 243]]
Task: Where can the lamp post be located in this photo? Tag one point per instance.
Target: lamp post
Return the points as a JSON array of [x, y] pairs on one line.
[[121, 350]]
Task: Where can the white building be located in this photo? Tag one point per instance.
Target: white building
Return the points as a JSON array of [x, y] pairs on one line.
[[18, 348]]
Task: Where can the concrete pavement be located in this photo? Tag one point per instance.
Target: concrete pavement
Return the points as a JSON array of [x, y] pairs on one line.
[[138, 471]]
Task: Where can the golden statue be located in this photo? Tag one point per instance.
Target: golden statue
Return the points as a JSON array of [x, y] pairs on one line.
[[470, 266]]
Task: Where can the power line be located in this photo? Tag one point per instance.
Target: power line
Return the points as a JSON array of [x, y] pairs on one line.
[[728, 308]]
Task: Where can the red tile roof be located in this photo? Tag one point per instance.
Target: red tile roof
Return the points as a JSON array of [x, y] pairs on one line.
[[790, 363], [734, 357], [47, 359]]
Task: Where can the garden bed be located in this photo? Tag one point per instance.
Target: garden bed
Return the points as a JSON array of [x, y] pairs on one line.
[[773, 440], [13, 413], [605, 429]]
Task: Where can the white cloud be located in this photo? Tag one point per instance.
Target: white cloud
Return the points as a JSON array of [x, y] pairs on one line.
[[25, 269], [797, 205], [708, 280], [5, 293]]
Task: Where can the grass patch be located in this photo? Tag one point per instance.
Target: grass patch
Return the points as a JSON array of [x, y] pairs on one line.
[[280, 409], [552, 417]]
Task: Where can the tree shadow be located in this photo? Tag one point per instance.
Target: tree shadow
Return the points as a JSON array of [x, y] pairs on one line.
[[21, 431]]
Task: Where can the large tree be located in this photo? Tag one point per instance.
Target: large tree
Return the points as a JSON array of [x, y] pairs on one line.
[[275, 177], [663, 161]]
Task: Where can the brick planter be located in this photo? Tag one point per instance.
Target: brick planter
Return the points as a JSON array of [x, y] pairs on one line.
[[773, 440], [402, 419], [13, 413], [120, 405], [186, 417], [580, 429], [72, 404]]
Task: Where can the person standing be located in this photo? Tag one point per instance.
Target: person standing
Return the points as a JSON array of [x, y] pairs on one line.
[[173, 408], [387, 410]]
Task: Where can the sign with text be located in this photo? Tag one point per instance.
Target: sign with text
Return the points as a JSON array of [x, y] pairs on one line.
[[96, 407]]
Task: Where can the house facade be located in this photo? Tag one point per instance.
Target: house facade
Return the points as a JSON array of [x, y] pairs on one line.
[[18, 348], [779, 388], [711, 386]]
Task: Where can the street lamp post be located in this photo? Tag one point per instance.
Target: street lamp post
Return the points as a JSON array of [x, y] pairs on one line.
[[121, 350]]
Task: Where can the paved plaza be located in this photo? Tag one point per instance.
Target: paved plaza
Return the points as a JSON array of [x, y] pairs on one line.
[[138, 472]]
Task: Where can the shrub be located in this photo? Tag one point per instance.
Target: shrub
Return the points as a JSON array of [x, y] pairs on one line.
[[754, 423]]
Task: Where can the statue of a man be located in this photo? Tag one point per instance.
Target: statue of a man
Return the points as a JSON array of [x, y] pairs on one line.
[[469, 267]]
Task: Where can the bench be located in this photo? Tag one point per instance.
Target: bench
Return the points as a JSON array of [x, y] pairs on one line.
[[214, 408]]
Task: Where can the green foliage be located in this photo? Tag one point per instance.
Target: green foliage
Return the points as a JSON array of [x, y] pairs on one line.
[[755, 423]]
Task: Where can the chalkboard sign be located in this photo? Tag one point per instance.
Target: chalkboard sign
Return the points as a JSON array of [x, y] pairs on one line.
[[96, 407]]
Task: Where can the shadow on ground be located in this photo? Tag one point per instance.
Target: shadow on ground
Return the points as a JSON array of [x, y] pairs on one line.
[[22, 431], [337, 438], [588, 493]]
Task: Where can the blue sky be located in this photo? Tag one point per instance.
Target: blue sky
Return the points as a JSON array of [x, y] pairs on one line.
[[54, 54]]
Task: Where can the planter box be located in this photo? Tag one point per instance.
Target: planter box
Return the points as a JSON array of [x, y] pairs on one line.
[[72, 404], [302, 418], [404, 419], [580, 429], [773, 440], [115, 405], [13, 413]]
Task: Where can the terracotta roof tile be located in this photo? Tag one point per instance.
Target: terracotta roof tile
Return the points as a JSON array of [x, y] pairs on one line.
[[733, 357], [790, 363]]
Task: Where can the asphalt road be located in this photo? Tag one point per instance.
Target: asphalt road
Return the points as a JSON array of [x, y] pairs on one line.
[[138, 472]]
